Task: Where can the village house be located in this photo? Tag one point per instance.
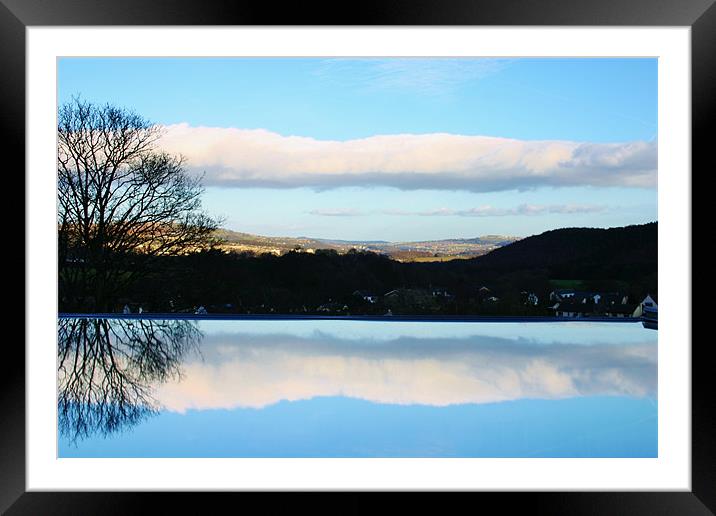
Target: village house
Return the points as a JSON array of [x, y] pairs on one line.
[[483, 293], [562, 294], [573, 303], [529, 298], [571, 309], [332, 307], [441, 292], [648, 312], [648, 304], [366, 296], [580, 296], [410, 297]]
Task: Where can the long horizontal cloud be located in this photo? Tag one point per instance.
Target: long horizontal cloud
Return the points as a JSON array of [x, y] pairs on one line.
[[260, 158], [492, 211], [337, 212], [479, 211]]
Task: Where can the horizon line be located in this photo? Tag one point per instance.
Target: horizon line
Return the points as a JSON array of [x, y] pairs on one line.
[[378, 240]]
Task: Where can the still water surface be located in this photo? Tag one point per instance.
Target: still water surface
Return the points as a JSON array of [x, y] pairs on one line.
[[272, 388]]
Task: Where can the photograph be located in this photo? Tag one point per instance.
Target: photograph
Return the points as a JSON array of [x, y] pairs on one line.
[[408, 247], [357, 257]]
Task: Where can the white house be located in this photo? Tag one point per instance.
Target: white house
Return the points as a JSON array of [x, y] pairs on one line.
[[649, 302]]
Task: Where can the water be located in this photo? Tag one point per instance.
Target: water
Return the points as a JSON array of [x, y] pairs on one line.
[[270, 388]]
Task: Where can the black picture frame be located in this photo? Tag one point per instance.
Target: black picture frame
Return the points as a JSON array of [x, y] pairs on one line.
[[16, 15]]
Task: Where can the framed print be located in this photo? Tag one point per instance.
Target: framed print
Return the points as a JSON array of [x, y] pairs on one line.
[[422, 252]]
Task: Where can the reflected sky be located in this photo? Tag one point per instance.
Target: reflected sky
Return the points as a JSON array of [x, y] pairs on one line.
[[357, 388]]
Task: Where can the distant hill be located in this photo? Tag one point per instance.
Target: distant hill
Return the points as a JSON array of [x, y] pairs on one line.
[[427, 250], [622, 252]]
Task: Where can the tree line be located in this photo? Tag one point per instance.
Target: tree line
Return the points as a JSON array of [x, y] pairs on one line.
[[302, 283]]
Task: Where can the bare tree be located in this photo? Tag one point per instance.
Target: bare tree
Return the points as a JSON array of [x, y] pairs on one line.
[[108, 370], [121, 202]]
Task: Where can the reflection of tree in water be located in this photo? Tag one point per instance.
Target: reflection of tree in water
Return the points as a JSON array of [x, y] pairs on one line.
[[106, 370]]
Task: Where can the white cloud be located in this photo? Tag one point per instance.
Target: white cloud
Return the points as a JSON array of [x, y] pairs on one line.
[[492, 211], [336, 212], [257, 157]]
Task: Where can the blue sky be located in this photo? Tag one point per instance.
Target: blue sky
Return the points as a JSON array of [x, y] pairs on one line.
[[343, 427], [399, 149]]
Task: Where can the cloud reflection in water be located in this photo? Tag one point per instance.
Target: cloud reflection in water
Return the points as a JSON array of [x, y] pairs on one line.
[[245, 368]]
